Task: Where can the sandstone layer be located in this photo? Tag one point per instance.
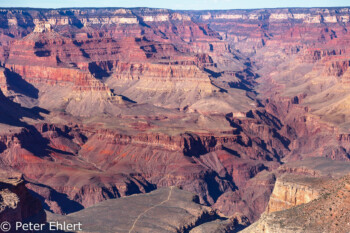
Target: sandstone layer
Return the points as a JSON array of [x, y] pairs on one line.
[[101, 104], [327, 213]]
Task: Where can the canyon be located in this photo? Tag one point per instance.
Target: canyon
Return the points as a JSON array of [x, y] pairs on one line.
[[241, 115]]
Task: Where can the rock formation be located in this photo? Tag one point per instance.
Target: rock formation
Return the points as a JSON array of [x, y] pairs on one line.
[[156, 211], [17, 203], [326, 213], [287, 194], [101, 104]]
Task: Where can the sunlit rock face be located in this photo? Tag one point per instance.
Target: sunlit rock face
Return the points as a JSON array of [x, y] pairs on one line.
[[100, 104], [17, 203], [288, 194], [327, 212]]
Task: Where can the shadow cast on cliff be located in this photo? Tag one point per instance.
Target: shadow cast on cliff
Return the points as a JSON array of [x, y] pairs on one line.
[[97, 71], [74, 20], [67, 206], [19, 85], [31, 139], [12, 113]]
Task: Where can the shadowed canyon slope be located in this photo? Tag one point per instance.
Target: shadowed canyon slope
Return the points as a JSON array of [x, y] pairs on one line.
[[100, 104]]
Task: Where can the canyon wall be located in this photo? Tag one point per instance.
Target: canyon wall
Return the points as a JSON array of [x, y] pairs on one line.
[[327, 212], [17, 203], [287, 194], [101, 104]]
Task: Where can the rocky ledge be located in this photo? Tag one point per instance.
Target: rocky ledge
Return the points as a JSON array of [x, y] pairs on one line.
[[164, 210]]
